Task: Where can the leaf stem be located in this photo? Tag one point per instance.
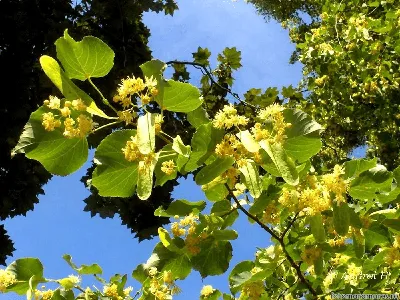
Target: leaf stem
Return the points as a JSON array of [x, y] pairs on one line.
[[106, 125], [279, 239], [105, 101]]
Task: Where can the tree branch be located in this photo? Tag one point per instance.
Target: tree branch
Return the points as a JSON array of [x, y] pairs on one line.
[[208, 73], [289, 225], [279, 239]]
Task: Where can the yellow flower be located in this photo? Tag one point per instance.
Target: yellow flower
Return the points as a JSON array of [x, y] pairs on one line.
[[126, 116], [69, 131], [6, 279], [111, 291], [253, 290], [85, 125], [207, 290], [168, 167], [130, 86], [329, 279], [78, 105], [334, 183], [65, 111], [49, 122], [176, 230], [127, 291], [311, 254], [228, 118], [153, 271], [145, 99], [53, 102], [131, 150], [352, 274], [167, 277], [151, 82]]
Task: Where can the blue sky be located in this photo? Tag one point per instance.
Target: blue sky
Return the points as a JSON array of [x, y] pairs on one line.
[[58, 225]]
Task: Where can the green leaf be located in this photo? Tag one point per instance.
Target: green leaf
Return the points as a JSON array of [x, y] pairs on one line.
[[252, 178], [213, 258], [24, 269], [319, 265], [167, 241], [201, 56], [240, 274], [181, 97], [145, 178], [303, 140], [180, 208], [248, 141], [369, 182], [225, 235], [317, 228], [67, 87], [230, 56], [376, 234], [180, 147], [198, 117], [114, 176], [216, 193], [341, 218], [354, 167], [156, 69], [146, 133], [90, 57], [164, 260], [83, 269], [392, 223], [203, 144], [283, 163], [213, 170], [359, 245], [262, 202], [58, 154]]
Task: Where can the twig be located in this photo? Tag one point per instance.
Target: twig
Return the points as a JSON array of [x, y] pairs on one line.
[[279, 239], [208, 73], [289, 225], [106, 125], [105, 101]]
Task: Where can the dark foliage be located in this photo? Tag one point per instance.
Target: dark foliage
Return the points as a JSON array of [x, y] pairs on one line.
[[30, 29]]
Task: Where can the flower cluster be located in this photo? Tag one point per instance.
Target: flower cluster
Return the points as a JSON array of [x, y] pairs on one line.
[[206, 291], [162, 285], [111, 291], [132, 86], [314, 195], [132, 153], [352, 274], [273, 125], [6, 279], [168, 167], [187, 226], [62, 115], [311, 254], [228, 118], [252, 290], [43, 295]]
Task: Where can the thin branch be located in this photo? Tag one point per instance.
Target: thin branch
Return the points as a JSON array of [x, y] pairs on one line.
[[289, 225], [105, 101], [104, 126], [254, 218], [337, 33], [279, 239], [213, 81]]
